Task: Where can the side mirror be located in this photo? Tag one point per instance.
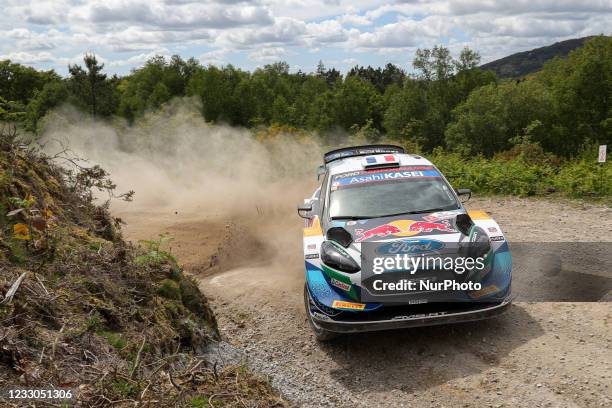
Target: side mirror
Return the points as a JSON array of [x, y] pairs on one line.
[[304, 209], [463, 192]]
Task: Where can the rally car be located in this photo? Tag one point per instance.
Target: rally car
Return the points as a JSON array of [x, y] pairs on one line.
[[381, 200]]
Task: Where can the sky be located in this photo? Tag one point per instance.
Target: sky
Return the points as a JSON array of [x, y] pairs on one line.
[[249, 34]]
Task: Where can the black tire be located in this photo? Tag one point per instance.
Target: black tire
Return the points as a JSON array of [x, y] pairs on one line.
[[321, 334]]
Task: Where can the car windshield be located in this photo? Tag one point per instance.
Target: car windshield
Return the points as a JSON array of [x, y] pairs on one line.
[[389, 192]]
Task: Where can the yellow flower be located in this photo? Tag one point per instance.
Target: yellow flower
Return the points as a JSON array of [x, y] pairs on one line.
[[21, 231]]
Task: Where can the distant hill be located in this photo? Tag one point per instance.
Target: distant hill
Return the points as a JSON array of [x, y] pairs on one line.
[[523, 63]]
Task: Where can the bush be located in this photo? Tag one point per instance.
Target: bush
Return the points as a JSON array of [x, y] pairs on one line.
[[169, 289], [524, 174]]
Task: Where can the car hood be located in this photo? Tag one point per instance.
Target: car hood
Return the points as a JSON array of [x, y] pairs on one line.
[[401, 226]]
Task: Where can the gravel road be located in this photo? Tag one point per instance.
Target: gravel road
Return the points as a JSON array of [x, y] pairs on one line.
[[551, 349]]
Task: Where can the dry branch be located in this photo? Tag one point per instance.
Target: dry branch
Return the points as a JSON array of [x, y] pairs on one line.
[[11, 292]]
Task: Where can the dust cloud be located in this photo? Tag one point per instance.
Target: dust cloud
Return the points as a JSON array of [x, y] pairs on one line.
[[174, 160], [235, 195]]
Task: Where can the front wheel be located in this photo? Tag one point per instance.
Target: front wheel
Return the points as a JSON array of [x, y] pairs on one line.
[[320, 333]]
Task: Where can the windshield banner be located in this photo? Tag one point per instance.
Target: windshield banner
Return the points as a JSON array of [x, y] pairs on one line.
[[402, 173]]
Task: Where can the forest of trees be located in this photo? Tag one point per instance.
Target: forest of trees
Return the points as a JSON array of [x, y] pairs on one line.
[[447, 102]]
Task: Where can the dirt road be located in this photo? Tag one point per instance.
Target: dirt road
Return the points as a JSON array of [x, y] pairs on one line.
[[541, 353]]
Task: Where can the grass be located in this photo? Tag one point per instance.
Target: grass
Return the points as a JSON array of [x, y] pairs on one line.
[[114, 339]]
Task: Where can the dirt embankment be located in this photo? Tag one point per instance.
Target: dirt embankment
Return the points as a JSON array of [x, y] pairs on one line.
[[84, 311], [540, 353]]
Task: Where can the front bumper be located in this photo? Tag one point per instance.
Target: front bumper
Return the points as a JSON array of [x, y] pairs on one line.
[[478, 312]]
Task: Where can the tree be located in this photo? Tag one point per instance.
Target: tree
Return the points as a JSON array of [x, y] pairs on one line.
[[219, 93], [356, 102], [281, 111], [468, 59], [154, 84], [581, 86], [494, 115], [19, 83], [404, 116], [53, 94], [320, 71], [380, 78], [90, 88]]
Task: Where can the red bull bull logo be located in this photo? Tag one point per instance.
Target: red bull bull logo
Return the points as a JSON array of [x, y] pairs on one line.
[[426, 226], [403, 228], [380, 231]]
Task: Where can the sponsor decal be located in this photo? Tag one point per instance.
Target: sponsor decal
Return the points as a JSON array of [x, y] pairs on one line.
[[424, 226], [341, 285], [314, 229], [438, 216], [498, 238], [419, 316], [387, 175], [483, 292], [380, 231], [312, 256], [492, 229], [349, 174], [479, 215], [383, 170], [410, 246], [311, 246], [403, 228], [349, 223], [417, 301], [351, 292], [341, 304]]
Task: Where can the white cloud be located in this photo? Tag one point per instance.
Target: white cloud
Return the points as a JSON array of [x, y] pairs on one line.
[[28, 57], [179, 16], [214, 57], [284, 31], [268, 54], [138, 59], [528, 6], [49, 33], [355, 19], [404, 34]]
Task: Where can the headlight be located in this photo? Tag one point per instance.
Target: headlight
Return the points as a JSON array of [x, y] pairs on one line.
[[336, 257]]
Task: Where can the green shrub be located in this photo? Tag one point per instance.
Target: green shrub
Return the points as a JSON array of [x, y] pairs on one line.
[[524, 174], [169, 289]]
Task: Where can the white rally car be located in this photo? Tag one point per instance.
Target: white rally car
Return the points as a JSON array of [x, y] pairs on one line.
[[380, 199]]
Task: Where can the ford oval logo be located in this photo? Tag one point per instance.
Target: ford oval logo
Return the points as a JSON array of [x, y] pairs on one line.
[[410, 246]]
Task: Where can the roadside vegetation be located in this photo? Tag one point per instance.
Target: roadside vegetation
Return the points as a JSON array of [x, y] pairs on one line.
[[523, 136], [82, 309]]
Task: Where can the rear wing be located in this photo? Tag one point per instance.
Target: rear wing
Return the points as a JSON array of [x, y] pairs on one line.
[[360, 151]]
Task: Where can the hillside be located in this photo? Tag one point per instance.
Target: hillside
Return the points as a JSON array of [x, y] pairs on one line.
[[526, 62], [85, 311]]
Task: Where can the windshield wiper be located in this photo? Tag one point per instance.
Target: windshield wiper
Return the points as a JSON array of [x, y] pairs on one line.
[[349, 217], [418, 212]]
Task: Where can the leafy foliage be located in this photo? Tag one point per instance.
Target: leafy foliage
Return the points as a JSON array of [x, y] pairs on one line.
[[448, 102], [529, 171]]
